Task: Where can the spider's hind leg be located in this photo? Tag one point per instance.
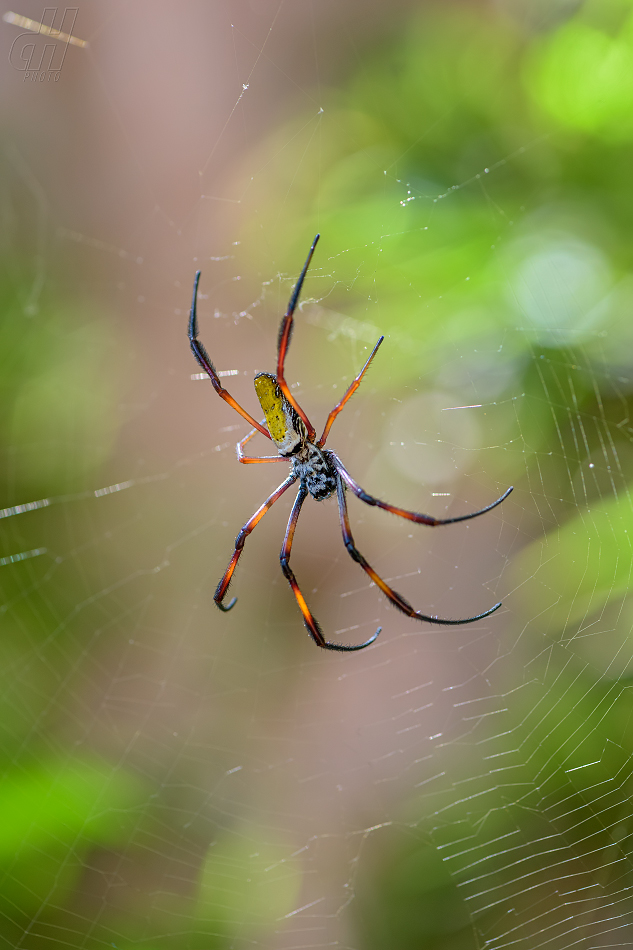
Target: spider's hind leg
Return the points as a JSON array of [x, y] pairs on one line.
[[311, 623], [252, 522], [415, 516], [396, 599]]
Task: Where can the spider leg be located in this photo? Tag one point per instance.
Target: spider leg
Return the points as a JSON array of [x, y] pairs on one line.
[[402, 512], [222, 587], [253, 459], [396, 599], [311, 623], [350, 392], [204, 360], [283, 341]]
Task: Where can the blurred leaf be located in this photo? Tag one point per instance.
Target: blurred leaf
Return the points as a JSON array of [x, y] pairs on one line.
[[60, 378], [54, 804], [584, 78], [575, 570], [50, 816], [411, 901], [248, 883]]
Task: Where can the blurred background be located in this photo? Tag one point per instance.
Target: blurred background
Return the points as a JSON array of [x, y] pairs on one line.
[[175, 777]]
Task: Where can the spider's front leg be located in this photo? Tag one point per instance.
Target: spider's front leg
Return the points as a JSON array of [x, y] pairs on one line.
[[283, 342], [254, 459], [223, 586], [204, 360], [351, 389], [311, 623]]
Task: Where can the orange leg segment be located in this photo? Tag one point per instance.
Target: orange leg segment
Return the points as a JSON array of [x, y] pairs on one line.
[[283, 342], [241, 539], [350, 392], [311, 623], [254, 459], [204, 360], [415, 516], [396, 599]]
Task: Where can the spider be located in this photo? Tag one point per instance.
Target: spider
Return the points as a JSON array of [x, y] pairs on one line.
[[319, 471]]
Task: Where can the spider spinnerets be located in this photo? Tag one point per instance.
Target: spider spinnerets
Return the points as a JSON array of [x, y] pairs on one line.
[[319, 471]]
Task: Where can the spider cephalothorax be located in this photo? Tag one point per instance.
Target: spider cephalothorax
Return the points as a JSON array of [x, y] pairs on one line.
[[315, 470], [319, 473]]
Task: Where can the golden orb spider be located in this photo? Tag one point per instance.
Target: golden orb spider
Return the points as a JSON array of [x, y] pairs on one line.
[[320, 472]]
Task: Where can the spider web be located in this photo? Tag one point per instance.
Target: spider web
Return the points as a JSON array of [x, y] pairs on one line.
[[178, 777]]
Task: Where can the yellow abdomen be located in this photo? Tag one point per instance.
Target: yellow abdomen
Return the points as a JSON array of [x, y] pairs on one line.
[[280, 419]]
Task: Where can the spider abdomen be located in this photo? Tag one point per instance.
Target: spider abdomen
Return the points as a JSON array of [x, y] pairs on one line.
[[286, 428], [315, 470]]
